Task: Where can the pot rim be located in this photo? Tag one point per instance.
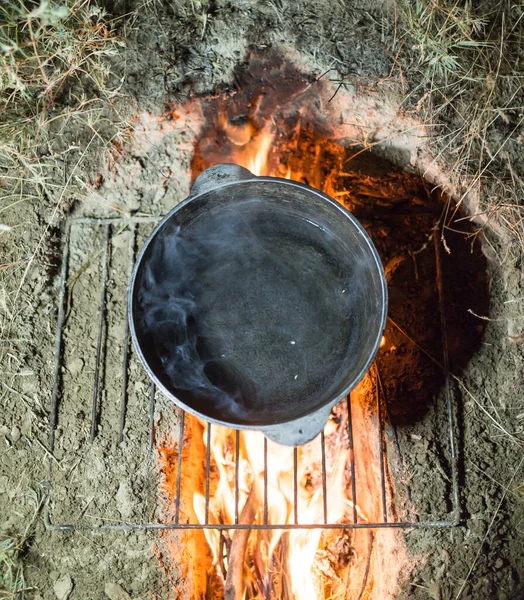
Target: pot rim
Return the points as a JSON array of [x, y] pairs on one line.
[[246, 181]]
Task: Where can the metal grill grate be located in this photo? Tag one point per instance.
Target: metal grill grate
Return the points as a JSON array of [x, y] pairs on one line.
[[387, 440]]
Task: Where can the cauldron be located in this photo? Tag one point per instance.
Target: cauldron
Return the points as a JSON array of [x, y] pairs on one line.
[[258, 303]]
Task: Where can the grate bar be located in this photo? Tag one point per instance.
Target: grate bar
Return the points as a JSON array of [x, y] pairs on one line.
[[53, 411], [266, 506], [179, 466], [115, 220], [385, 417], [208, 470], [381, 407], [324, 481], [152, 395], [123, 398], [101, 319], [382, 451], [295, 484], [125, 361], [352, 461], [447, 378], [251, 526], [237, 473]]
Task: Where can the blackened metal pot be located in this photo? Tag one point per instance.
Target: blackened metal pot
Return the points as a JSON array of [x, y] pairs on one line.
[[258, 303]]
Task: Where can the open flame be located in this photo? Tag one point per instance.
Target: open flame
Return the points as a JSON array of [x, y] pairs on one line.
[[279, 485], [299, 551], [250, 147]]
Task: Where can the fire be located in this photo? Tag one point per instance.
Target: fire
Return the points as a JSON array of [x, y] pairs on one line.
[[276, 485], [252, 147], [295, 564], [257, 162], [301, 544]]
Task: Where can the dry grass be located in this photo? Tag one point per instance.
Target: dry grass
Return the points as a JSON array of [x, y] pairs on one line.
[[52, 53], [470, 80], [12, 581], [54, 76], [466, 64], [12, 548], [60, 107]]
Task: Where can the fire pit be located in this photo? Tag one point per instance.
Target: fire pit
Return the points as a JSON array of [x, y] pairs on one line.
[[320, 515]]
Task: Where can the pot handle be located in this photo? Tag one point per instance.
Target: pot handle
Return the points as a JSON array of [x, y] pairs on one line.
[[218, 175], [300, 431]]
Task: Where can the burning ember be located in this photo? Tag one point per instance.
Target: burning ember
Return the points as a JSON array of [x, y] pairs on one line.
[[276, 499]]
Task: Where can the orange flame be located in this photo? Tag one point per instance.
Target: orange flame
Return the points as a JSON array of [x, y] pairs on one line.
[[301, 553], [302, 544], [258, 160], [250, 146]]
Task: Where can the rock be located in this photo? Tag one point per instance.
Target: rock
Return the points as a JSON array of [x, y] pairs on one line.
[[28, 385], [114, 591], [124, 498], [140, 387], [75, 366], [15, 434], [26, 427], [63, 587]]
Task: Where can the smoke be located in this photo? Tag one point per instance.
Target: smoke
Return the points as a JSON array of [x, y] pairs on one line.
[[169, 311]]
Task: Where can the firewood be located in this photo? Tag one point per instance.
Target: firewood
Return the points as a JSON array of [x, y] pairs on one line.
[[234, 587]]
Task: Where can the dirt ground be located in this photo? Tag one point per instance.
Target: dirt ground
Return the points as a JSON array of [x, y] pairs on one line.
[[175, 52]]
